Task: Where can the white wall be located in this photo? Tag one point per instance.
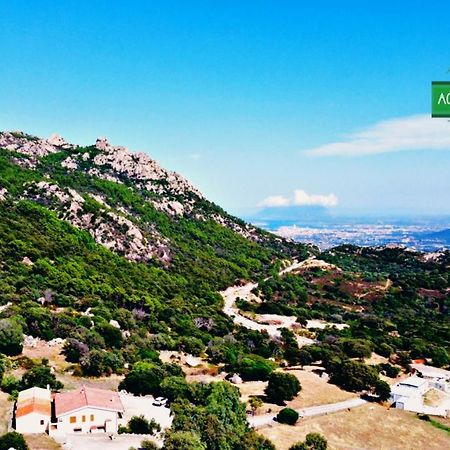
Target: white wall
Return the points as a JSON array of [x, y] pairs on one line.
[[31, 423], [100, 418]]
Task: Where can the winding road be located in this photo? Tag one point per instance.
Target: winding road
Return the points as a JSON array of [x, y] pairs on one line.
[[244, 292], [231, 294]]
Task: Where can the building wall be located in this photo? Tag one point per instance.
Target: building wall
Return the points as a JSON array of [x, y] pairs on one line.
[[440, 384], [31, 423], [83, 420], [413, 394]]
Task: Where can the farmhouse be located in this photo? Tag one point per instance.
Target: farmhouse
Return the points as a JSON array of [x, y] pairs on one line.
[[86, 410]]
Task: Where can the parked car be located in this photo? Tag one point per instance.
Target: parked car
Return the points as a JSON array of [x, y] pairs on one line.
[[160, 401]]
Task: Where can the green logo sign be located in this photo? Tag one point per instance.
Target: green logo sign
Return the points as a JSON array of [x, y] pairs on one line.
[[440, 99]]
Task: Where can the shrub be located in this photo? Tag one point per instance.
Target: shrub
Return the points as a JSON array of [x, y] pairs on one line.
[[254, 368], [10, 384], [144, 378], [385, 350], [288, 416], [74, 350], [40, 376], [354, 376], [254, 441], [140, 425], [282, 386], [382, 390], [389, 370], [148, 445], [185, 440], [101, 362], [11, 337], [357, 348], [111, 335], [174, 388], [13, 440], [313, 441]]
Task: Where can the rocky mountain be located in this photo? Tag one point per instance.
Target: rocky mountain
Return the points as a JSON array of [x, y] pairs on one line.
[[105, 229], [76, 182]]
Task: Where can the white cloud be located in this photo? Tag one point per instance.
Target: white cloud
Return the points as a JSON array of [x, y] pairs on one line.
[[274, 201], [420, 132], [195, 156], [301, 198]]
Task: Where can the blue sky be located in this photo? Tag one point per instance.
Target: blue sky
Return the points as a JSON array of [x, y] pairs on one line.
[[244, 98]]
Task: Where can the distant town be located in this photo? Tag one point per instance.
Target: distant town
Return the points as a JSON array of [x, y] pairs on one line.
[[423, 235]]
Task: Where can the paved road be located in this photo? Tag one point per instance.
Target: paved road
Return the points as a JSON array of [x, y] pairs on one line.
[[267, 419]]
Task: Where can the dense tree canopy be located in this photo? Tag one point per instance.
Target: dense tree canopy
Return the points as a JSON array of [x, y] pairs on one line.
[[282, 387]]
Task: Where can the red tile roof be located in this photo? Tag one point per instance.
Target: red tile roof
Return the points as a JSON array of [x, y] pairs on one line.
[[66, 402]]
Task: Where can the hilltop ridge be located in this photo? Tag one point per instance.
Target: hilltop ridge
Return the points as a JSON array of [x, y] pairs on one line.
[[76, 182]]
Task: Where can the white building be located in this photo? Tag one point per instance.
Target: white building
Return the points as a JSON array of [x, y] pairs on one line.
[[408, 394], [86, 410], [33, 410], [437, 378]]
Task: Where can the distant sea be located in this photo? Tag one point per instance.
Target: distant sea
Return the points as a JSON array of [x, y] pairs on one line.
[[423, 234]]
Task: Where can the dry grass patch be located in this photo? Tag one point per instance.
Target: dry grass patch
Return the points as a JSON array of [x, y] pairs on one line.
[[5, 409], [71, 382], [376, 359], [41, 442], [315, 391], [433, 397], [366, 428], [53, 353]]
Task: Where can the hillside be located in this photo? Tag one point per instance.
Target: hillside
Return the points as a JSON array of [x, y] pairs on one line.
[[103, 228], [125, 262]]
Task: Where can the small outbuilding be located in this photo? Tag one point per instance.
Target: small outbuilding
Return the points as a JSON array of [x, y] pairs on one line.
[[33, 410]]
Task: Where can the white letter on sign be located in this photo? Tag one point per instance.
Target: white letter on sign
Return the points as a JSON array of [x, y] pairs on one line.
[[443, 99]]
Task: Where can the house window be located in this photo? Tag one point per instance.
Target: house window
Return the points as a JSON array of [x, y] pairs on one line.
[[92, 417], [42, 422], [83, 418], [73, 419]]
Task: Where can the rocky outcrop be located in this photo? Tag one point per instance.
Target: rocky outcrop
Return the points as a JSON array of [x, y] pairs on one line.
[[113, 231], [141, 168], [115, 226], [32, 146]]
